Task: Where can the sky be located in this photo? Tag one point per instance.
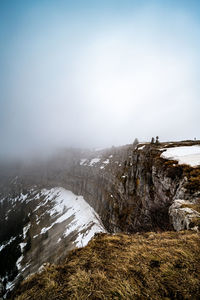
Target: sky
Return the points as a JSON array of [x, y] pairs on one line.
[[97, 73]]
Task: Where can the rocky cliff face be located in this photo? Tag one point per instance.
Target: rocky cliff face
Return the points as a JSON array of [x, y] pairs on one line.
[[132, 187]]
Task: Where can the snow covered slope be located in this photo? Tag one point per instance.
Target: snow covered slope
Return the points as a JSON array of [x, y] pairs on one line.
[[77, 214], [189, 155], [57, 221]]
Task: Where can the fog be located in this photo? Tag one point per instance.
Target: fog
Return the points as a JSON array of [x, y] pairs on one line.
[[98, 74]]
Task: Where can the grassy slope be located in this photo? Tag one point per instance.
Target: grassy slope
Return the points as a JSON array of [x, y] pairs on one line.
[[140, 266]]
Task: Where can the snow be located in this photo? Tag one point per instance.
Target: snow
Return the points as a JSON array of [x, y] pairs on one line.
[[94, 161], [78, 219], [18, 263], [25, 230], [23, 197], [37, 218], [189, 155], [26, 266], [10, 285], [22, 246], [106, 161], [45, 229], [85, 222], [8, 243], [141, 147], [82, 161]]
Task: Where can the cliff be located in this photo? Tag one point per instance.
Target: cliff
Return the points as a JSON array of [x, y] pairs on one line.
[[132, 187]]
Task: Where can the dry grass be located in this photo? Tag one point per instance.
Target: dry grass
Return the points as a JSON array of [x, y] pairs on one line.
[[140, 266]]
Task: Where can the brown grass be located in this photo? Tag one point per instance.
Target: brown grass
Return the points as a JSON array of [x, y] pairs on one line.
[[140, 266]]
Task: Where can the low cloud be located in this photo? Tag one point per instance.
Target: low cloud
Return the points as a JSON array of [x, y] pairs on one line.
[[96, 83]]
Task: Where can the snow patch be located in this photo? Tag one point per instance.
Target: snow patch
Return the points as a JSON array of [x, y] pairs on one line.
[[25, 230], [23, 197], [106, 161], [85, 222], [83, 161], [7, 243], [94, 161], [189, 155], [22, 246], [59, 240], [141, 147]]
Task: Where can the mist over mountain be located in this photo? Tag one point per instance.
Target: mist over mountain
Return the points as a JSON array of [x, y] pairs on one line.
[[98, 74]]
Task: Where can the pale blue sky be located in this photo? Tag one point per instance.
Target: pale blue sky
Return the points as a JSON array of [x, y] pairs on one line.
[[97, 73]]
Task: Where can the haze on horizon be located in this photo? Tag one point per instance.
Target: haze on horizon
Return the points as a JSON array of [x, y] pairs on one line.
[[97, 73]]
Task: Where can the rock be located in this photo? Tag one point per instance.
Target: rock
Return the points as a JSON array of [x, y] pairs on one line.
[[183, 217]]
